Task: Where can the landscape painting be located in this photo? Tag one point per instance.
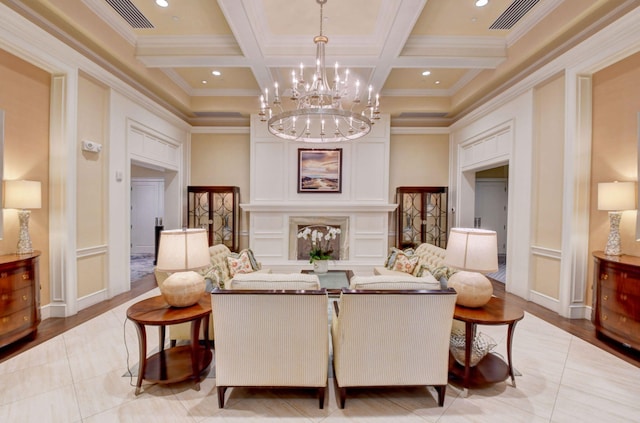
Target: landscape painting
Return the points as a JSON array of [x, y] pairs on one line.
[[320, 170]]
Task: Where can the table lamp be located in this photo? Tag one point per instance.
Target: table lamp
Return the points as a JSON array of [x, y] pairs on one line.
[[182, 251], [23, 195], [615, 197], [473, 252]]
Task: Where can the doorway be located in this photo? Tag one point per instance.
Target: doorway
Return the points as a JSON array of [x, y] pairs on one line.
[[147, 210], [491, 210]]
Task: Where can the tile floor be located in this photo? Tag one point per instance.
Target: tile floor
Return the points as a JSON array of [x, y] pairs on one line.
[[78, 377]]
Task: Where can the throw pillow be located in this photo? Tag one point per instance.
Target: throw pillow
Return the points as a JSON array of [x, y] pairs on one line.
[[242, 262], [404, 263], [391, 258], [216, 274]]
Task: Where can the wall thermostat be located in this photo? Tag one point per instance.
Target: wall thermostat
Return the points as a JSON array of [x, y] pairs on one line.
[[94, 147]]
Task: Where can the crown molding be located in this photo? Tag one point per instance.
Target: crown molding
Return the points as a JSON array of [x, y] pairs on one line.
[[220, 130], [106, 13]]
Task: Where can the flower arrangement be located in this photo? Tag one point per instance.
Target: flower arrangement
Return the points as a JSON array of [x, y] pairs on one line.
[[320, 241]]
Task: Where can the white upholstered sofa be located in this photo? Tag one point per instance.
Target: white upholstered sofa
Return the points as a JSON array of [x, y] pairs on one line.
[[429, 257], [271, 331], [387, 336]]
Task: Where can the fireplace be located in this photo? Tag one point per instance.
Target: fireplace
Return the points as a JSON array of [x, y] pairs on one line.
[[299, 248]]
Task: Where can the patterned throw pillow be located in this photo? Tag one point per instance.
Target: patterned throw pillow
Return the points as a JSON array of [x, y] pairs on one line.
[[405, 263], [242, 262], [391, 259], [216, 274]]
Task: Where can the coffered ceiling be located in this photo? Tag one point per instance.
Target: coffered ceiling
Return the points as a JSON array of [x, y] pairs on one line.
[[171, 52]]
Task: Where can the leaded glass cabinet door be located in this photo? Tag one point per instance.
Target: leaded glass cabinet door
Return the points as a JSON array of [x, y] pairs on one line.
[[422, 216], [217, 210]]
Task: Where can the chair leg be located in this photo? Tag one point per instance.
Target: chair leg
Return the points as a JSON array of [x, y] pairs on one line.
[[221, 391], [441, 389], [321, 393], [343, 396]]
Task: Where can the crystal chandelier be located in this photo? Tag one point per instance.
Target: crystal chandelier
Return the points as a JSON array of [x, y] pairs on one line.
[[320, 111]]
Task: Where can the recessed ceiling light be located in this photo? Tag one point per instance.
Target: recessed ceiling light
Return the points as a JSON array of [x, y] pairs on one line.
[[480, 3], [162, 3], [426, 73], [437, 82], [216, 73], [204, 81]]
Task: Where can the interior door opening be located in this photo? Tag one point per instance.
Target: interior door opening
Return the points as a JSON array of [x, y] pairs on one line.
[[491, 210]]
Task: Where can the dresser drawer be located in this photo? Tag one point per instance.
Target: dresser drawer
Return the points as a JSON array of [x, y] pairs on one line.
[[10, 302], [620, 324], [17, 278], [16, 321]]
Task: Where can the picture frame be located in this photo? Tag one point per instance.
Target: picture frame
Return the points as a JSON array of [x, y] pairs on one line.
[[319, 170]]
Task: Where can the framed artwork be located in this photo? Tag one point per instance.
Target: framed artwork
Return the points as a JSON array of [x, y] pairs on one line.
[[320, 170]]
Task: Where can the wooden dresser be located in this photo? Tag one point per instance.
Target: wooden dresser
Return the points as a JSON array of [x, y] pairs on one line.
[[616, 298], [19, 296]]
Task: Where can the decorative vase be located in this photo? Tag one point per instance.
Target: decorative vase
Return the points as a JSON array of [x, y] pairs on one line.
[[321, 266], [183, 289]]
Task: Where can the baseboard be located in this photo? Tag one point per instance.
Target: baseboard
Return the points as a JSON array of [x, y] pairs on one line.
[[544, 300], [92, 299]]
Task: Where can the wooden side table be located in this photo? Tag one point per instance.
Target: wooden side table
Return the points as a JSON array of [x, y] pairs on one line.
[[491, 368], [177, 363]]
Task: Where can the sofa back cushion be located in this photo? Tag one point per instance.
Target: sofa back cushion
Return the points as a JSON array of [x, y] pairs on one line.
[[394, 282], [289, 281], [431, 254]]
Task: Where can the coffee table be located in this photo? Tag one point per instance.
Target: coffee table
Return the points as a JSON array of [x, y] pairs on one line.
[[333, 280]]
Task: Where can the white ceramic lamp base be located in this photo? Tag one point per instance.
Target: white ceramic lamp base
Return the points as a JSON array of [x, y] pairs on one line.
[[183, 289], [474, 289]]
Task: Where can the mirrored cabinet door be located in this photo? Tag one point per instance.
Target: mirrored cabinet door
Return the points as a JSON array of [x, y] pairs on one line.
[[421, 216], [217, 210]]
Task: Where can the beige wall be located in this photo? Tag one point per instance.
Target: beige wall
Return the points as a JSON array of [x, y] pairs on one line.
[[616, 104], [223, 160], [547, 189], [24, 97], [91, 206], [416, 160]]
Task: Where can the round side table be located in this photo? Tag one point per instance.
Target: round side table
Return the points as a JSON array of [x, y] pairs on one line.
[[177, 363], [491, 368]]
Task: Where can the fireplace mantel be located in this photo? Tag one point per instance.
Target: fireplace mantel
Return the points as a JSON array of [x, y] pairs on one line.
[[316, 207]]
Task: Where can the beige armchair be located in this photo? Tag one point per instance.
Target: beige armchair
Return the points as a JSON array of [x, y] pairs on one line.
[[387, 337], [272, 337]]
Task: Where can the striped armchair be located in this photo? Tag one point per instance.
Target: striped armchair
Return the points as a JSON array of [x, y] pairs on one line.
[[272, 337], [392, 338]]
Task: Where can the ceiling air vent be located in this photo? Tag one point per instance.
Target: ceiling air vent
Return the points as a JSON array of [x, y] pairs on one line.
[[513, 14], [130, 13]]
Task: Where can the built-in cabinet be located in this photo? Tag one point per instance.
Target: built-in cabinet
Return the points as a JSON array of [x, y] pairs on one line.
[[616, 308], [217, 210], [19, 296], [421, 216]]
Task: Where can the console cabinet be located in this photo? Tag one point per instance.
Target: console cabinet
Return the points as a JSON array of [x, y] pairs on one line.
[[616, 299], [19, 296], [217, 210], [421, 216]]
